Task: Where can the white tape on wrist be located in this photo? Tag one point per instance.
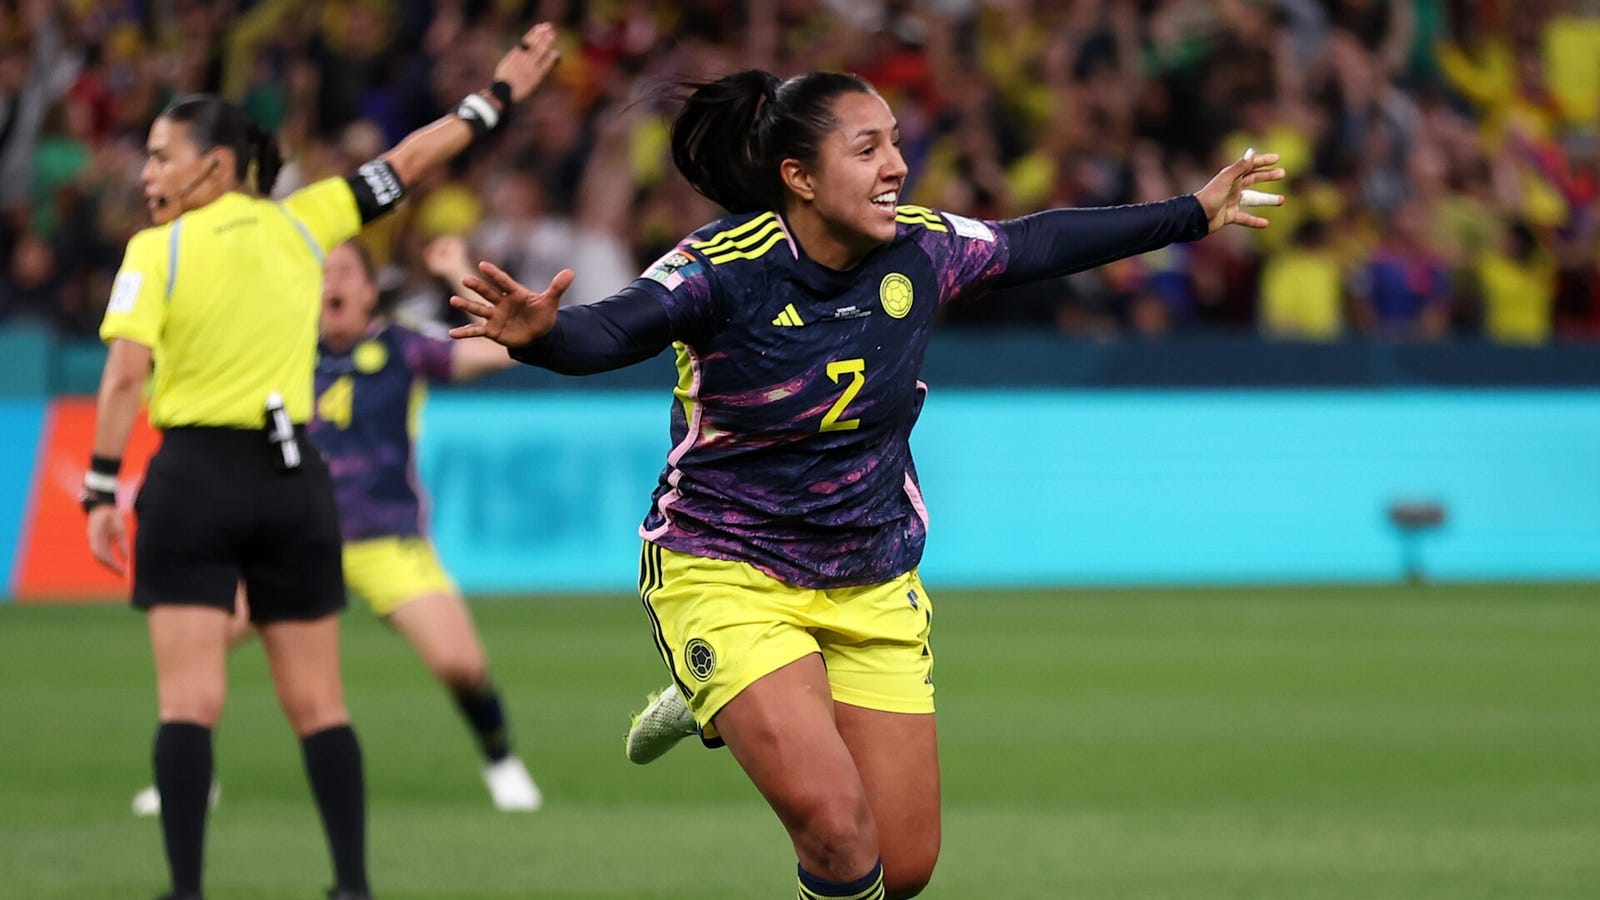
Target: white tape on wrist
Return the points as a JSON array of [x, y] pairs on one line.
[[481, 109], [97, 481]]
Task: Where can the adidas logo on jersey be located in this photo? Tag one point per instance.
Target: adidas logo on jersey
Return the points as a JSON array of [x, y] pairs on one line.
[[789, 318]]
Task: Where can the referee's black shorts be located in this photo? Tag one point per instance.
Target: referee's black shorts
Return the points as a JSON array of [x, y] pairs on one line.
[[215, 508]]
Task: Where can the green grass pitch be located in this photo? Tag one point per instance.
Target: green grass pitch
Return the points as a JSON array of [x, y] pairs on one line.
[[1439, 742]]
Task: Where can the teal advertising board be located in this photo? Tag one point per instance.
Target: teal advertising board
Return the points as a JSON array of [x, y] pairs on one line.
[[545, 491]]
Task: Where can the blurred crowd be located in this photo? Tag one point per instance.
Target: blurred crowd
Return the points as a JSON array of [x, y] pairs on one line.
[[1444, 155]]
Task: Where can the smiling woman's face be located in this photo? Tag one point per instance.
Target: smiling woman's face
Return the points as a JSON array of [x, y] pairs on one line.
[[853, 186]]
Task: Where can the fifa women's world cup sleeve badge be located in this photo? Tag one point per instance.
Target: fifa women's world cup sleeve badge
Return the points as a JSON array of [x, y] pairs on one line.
[[894, 292], [672, 269]]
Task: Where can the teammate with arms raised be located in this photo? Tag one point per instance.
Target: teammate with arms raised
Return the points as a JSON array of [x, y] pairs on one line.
[[371, 377], [779, 564]]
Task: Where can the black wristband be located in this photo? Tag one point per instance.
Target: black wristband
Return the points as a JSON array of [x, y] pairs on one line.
[[501, 92], [105, 465], [90, 499], [100, 482], [101, 478]]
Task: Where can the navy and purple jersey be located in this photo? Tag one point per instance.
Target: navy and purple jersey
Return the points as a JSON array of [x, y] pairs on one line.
[[798, 391], [367, 400], [798, 384]]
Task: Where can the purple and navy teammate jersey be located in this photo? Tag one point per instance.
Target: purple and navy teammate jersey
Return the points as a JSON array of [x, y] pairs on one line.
[[798, 391], [363, 427]]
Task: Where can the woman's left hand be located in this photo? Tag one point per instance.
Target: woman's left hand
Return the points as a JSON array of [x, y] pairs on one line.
[[512, 315], [1226, 197]]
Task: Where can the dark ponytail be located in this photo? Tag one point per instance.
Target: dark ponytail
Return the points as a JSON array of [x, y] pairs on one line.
[[214, 122], [266, 155], [733, 133]]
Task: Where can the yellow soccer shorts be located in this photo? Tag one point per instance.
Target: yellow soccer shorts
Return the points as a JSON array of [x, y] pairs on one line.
[[720, 625], [388, 572]]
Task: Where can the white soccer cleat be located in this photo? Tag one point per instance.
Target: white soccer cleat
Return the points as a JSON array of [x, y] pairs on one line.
[[511, 787], [665, 721], [147, 803]]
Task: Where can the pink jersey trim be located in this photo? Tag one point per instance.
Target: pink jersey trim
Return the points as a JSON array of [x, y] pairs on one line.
[[691, 435], [914, 493], [784, 227]]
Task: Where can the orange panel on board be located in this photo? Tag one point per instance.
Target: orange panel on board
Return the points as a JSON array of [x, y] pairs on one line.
[[54, 564]]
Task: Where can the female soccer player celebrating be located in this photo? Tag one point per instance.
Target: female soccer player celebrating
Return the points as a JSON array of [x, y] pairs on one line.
[[369, 373], [223, 295], [779, 566]]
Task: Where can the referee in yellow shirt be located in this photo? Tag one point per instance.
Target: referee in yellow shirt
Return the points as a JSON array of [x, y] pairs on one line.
[[221, 297]]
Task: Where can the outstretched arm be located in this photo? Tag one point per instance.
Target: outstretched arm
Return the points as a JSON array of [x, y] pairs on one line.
[[521, 70], [1062, 241], [629, 327], [381, 184]]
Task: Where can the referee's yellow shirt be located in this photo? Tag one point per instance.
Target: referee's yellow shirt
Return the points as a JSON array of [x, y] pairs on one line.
[[228, 298]]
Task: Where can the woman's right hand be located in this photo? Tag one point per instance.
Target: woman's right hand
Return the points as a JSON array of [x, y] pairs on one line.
[[108, 537], [512, 314]]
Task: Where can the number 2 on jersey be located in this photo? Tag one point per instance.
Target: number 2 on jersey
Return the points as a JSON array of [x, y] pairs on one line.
[[856, 369], [334, 405]]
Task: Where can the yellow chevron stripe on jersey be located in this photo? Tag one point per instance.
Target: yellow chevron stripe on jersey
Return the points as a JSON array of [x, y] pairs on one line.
[[715, 243], [790, 317], [752, 239], [920, 215], [768, 241]]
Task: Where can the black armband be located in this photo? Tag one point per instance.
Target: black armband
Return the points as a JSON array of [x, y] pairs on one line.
[[377, 187], [100, 482], [501, 92]]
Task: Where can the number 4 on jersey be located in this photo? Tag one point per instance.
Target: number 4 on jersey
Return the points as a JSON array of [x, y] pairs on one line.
[[334, 405]]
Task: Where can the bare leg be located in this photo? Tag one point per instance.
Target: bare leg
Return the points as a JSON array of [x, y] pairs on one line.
[[897, 755], [304, 657], [190, 645], [440, 627], [781, 730]]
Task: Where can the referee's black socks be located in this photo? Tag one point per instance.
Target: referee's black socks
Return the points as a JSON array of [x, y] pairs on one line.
[[183, 779], [481, 706], [333, 764]]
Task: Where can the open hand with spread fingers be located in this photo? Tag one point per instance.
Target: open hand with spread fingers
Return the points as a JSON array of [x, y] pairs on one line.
[[512, 314], [525, 65], [1226, 196]]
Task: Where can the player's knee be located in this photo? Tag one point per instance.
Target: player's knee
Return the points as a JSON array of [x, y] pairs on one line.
[[200, 704], [459, 669], [311, 711], [310, 719], [837, 839]]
